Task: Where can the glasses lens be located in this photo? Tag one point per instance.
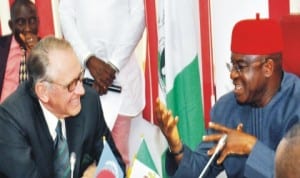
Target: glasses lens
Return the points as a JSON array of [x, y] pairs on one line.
[[229, 66], [73, 84]]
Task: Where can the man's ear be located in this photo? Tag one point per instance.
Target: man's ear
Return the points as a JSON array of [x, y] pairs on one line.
[[269, 67], [41, 91]]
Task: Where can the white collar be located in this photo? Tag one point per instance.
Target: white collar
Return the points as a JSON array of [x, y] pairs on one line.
[[51, 121]]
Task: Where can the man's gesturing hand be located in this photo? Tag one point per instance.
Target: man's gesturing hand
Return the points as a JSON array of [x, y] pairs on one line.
[[238, 142]]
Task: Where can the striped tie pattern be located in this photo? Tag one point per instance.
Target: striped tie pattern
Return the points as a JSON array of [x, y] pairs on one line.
[[62, 167], [23, 70]]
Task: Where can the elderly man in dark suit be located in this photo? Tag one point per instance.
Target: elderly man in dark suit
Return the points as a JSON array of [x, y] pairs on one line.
[[54, 95], [15, 47]]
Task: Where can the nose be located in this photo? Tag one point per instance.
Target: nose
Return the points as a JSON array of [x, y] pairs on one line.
[[79, 88], [232, 70], [27, 29], [29, 26], [234, 74]]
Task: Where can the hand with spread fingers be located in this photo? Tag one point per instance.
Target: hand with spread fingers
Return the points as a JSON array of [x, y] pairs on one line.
[[102, 72], [167, 123], [237, 143]]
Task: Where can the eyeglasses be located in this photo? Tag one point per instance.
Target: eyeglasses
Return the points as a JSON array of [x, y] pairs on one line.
[[72, 85], [240, 66], [22, 21]]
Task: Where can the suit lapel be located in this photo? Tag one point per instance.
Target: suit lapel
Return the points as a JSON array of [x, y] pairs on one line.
[[44, 154], [47, 143], [40, 121]]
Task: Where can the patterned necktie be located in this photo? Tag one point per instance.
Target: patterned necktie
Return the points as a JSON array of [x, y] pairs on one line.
[[62, 167], [23, 70]]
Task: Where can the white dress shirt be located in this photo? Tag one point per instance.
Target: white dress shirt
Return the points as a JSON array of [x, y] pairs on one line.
[[109, 29], [51, 121]]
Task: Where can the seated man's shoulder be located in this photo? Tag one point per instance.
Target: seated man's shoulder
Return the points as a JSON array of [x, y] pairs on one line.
[[90, 95], [226, 99]]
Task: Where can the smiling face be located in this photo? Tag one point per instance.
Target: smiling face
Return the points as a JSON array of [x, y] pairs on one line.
[[64, 69], [56, 76], [24, 20], [249, 78]]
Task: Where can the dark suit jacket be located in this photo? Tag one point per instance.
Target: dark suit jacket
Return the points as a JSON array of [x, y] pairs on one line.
[[26, 146], [5, 42]]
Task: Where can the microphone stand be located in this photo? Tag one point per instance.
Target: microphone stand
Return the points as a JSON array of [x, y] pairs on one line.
[[220, 145], [72, 163]]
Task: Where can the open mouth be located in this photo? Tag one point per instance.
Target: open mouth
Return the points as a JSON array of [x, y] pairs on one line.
[[238, 89]]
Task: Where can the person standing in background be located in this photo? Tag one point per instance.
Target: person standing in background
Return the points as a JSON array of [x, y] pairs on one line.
[[15, 47], [104, 35]]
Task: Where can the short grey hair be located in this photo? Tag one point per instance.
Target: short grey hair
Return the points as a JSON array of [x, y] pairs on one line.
[[38, 60]]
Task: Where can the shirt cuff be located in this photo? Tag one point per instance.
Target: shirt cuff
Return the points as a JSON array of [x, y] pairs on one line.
[[86, 59], [113, 66]]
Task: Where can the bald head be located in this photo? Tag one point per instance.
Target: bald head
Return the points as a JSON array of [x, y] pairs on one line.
[[287, 158]]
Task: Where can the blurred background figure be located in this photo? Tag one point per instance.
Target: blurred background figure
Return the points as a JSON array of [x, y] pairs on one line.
[[287, 158], [15, 47]]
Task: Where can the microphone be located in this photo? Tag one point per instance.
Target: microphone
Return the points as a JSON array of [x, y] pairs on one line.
[[220, 145], [112, 87], [72, 162]]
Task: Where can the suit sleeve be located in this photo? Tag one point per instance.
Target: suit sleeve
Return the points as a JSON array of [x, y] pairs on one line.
[[15, 150], [260, 162]]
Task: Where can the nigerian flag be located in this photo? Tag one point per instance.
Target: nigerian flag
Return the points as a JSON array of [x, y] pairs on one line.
[[143, 165], [179, 75]]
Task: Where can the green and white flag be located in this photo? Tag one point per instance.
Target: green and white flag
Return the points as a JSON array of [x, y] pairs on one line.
[[143, 165], [179, 74], [178, 64]]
